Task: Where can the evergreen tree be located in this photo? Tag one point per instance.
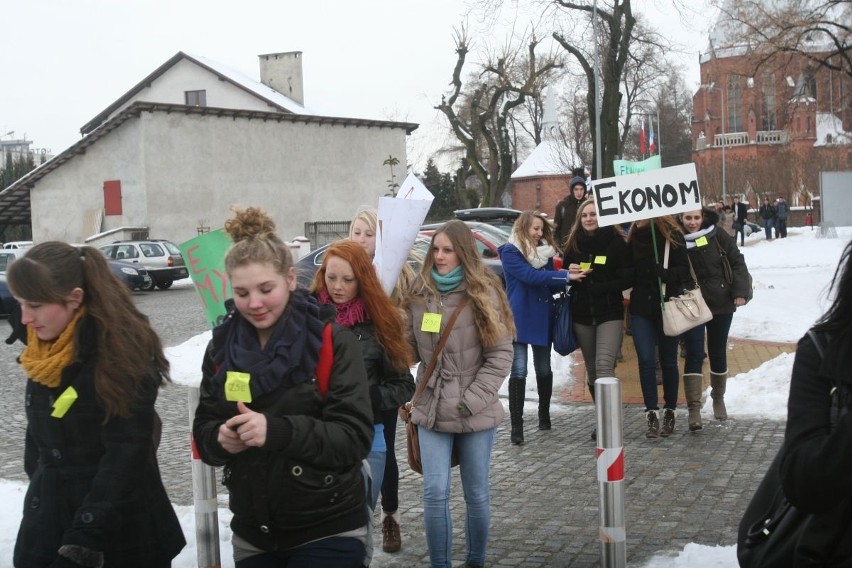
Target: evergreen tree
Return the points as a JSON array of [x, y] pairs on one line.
[[443, 187]]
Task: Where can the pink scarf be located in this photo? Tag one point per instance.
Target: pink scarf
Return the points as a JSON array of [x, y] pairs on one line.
[[348, 313]]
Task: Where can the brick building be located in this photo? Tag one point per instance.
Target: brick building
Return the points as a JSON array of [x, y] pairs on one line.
[[771, 128]]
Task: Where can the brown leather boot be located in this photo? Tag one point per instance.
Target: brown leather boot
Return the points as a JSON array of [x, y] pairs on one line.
[[653, 424], [391, 537], [717, 393], [692, 389]]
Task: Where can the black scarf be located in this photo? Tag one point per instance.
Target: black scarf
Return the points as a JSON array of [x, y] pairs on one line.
[[289, 357], [596, 242], [641, 243]]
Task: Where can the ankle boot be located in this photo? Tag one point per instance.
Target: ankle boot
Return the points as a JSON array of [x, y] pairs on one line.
[[693, 388], [653, 424], [544, 383], [517, 388], [717, 392], [668, 422]]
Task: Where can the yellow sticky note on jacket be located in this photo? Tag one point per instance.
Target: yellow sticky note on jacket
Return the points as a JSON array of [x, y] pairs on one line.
[[600, 259], [238, 387], [701, 242], [64, 402], [431, 323]]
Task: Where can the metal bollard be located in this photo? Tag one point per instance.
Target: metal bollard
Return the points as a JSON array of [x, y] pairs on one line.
[[610, 462], [206, 503]]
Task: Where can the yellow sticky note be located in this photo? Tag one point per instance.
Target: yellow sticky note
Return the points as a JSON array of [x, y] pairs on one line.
[[600, 259], [237, 387], [701, 242], [584, 266], [64, 402], [431, 323]]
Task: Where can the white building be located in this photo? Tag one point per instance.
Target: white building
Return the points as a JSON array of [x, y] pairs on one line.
[[194, 137]]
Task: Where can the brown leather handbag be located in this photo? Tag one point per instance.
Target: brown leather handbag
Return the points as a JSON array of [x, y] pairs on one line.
[[406, 409]]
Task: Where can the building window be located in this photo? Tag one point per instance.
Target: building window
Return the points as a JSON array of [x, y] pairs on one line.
[[196, 98], [767, 88], [735, 103]]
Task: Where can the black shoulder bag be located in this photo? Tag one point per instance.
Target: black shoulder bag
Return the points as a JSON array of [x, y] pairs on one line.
[[772, 532]]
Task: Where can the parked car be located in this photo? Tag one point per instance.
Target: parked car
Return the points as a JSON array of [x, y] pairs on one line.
[[17, 244], [161, 258], [500, 217], [488, 237]]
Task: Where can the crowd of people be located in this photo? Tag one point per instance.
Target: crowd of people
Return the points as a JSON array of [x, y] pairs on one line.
[[300, 388]]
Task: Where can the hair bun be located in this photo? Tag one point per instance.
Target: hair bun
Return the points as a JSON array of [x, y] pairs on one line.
[[249, 223]]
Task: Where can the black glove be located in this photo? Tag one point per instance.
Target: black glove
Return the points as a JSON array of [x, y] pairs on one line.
[[464, 410], [76, 556], [62, 562]]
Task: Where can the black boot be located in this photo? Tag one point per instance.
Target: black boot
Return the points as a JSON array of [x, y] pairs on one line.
[[517, 390], [544, 383]]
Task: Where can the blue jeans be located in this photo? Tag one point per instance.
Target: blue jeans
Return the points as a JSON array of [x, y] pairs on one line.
[[767, 227], [717, 345], [541, 360], [390, 482], [332, 552], [474, 450], [649, 339]]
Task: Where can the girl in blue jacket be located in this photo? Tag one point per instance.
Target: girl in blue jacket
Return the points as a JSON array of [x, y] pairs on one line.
[[531, 282]]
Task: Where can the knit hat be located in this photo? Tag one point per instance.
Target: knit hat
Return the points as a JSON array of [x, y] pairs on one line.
[[577, 180]]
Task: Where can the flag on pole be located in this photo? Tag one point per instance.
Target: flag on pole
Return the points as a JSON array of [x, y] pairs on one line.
[[642, 137], [651, 146]]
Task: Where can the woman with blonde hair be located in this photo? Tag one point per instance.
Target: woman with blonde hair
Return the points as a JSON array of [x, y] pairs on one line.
[[597, 306], [347, 284], [459, 406], [292, 453], [648, 241], [531, 282]]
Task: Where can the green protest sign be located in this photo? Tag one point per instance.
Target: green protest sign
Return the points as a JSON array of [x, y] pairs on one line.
[[205, 257], [626, 167]]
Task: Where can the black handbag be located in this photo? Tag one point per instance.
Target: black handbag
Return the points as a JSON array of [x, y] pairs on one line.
[[564, 340], [772, 532]]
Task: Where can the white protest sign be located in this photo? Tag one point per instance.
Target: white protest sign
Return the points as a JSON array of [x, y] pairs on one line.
[[647, 194], [400, 219]]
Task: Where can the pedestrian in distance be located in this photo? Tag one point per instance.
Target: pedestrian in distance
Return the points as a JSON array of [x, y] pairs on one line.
[[597, 302], [94, 366], [782, 211], [740, 218], [348, 288], [709, 250], [362, 230], [767, 213], [459, 407], [291, 453], [817, 454], [647, 251], [531, 282], [566, 210]]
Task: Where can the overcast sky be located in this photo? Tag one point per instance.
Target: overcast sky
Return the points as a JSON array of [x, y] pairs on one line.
[[64, 62]]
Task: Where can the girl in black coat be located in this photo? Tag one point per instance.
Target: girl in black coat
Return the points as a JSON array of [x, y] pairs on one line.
[[292, 454], [597, 303], [646, 316], [94, 365], [709, 248], [816, 463]]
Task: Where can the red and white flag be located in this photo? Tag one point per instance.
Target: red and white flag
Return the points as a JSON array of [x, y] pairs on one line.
[[651, 146], [642, 137]]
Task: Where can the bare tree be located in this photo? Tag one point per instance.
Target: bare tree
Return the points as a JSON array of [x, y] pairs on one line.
[[480, 119], [819, 30]]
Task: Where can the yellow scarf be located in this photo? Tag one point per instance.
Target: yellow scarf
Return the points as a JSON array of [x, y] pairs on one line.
[[44, 361]]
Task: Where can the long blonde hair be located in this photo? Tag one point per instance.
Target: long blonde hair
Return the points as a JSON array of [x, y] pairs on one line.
[[493, 322], [521, 232]]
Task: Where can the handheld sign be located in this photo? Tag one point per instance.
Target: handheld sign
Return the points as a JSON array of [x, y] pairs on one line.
[[646, 195], [626, 167], [205, 257]]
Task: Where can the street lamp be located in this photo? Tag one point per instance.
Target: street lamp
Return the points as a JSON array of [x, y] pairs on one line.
[[712, 87]]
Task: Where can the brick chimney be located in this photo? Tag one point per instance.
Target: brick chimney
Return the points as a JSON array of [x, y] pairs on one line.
[[283, 72]]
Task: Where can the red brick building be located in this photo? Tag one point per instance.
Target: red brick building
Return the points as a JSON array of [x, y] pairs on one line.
[[777, 125]]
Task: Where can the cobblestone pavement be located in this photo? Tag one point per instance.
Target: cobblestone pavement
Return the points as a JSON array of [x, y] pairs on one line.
[[691, 487]]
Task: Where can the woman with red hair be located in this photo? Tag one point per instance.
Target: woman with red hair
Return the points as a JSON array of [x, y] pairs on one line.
[[348, 286]]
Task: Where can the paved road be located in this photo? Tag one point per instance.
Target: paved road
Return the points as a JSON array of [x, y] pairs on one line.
[[687, 488]]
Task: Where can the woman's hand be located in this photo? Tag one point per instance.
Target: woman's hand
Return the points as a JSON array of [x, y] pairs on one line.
[[246, 429], [576, 273], [739, 302]]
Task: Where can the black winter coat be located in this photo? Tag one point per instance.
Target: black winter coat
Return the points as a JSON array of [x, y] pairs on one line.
[[816, 461], [389, 387], [597, 298], [94, 482], [566, 214], [707, 261], [645, 297], [303, 486]]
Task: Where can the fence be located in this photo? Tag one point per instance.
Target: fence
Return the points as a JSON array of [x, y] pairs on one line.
[[324, 232]]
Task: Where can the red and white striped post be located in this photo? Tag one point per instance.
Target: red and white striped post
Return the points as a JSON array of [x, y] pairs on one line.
[[610, 466], [205, 499]]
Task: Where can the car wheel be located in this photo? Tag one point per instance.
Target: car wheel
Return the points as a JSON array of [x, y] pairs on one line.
[[150, 286], [164, 285]]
